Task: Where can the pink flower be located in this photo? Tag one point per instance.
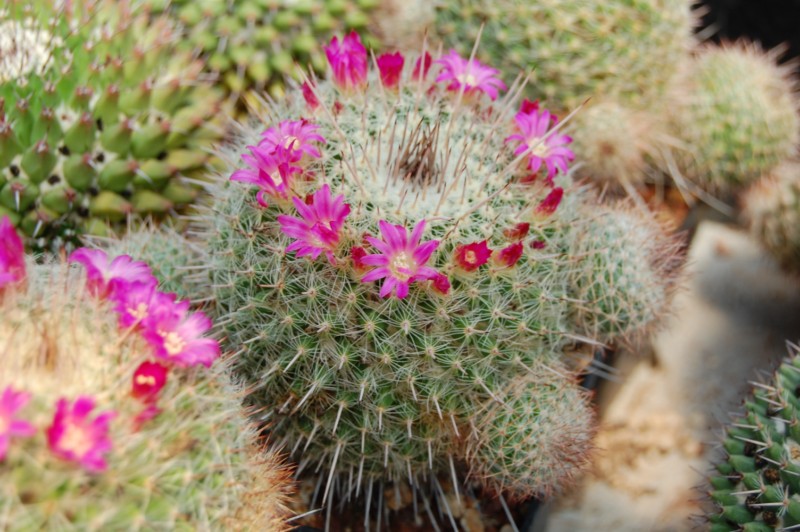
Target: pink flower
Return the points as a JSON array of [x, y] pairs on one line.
[[357, 253], [441, 283], [177, 336], [308, 95], [75, 437], [472, 76], [390, 67], [295, 136], [269, 170], [528, 106], [401, 260], [133, 302], [103, 278], [470, 257], [148, 380], [518, 232], [348, 60], [12, 254], [548, 205], [509, 256], [550, 150], [538, 244], [422, 66], [319, 230], [11, 402]]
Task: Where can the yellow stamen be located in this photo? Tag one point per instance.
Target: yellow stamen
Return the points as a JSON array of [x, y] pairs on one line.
[[76, 440]]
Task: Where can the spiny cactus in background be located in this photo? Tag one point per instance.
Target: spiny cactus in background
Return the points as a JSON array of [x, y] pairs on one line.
[[735, 115], [95, 434], [101, 118], [258, 44], [772, 210], [619, 49], [627, 270], [402, 24], [754, 487], [402, 266]]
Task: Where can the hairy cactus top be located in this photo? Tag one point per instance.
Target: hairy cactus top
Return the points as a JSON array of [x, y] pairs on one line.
[[401, 264], [102, 427], [100, 118]]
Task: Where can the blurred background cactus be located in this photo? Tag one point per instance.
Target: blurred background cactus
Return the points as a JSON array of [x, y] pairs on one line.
[[114, 459], [101, 118]]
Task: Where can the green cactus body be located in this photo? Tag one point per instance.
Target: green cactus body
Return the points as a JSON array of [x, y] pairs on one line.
[[755, 485], [574, 49], [772, 210], [101, 118], [194, 466], [258, 44], [367, 388], [735, 115]]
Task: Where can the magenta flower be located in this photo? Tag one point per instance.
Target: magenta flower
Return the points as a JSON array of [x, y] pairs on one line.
[[105, 279], [401, 260], [269, 170], [11, 402], [348, 60], [422, 66], [550, 150], [133, 302], [441, 283], [548, 205], [357, 254], [472, 76], [12, 254], [308, 95], [320, 228], [148, 380], [75, 437], [177, 335], [390, 66], [470, 257], [295, 136], [509, 256], [518, 232]]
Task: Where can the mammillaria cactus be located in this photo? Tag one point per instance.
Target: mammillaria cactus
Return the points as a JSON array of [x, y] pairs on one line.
[[401, 266], [754, 487], [103, 426], [772, 210], [100, 118], [735, 115], [622, 49]]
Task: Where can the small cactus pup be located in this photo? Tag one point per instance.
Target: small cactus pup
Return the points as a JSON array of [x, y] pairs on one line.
[[101, 119], [625, 50], [734, 114], [107, 423], [772, 211], [756, 481], [394, 269]]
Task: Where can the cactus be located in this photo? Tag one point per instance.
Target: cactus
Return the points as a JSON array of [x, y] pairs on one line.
[[755, 481], [194, 465], [402, 24], [100, 119], [257, 44], [624, 49], [772, 210], [392, 384], [735, 114]]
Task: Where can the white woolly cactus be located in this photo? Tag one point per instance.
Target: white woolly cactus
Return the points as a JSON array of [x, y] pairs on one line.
[[97, 435], [402, 266]]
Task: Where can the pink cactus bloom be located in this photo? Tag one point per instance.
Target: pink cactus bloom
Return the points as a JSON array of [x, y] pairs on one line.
[[12, 254], [441, 283], [472, 76], [104, 279], [176, 335], [401, 260], [348, 60], [270, 170], [11, 402], [357, 253], [319, 229], [308, 95], [422, 66], [75, 437], [470, 257], [548, 205], [550, 150], [133, 302], [148, 380], [390, 66], [518, 232], [295, 136], [510, 255]]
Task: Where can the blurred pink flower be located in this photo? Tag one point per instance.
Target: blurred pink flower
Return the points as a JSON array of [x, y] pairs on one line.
[[177, 335], [295, 136], [270, 171], [390, 66], [472, 76], [348, 60], [75, 437], [12, 254], [319, 228], [104, 279], [11, 402]]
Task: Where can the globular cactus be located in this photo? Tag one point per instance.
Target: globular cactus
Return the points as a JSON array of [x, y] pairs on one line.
[[754, 485], [392, 177], [257, 44], [95, 434], [627, 268], [621, 49], [772, 211], [734, 113], [101, 118]]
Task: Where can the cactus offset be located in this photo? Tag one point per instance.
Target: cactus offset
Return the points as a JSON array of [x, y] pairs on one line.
[[100, 119]]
